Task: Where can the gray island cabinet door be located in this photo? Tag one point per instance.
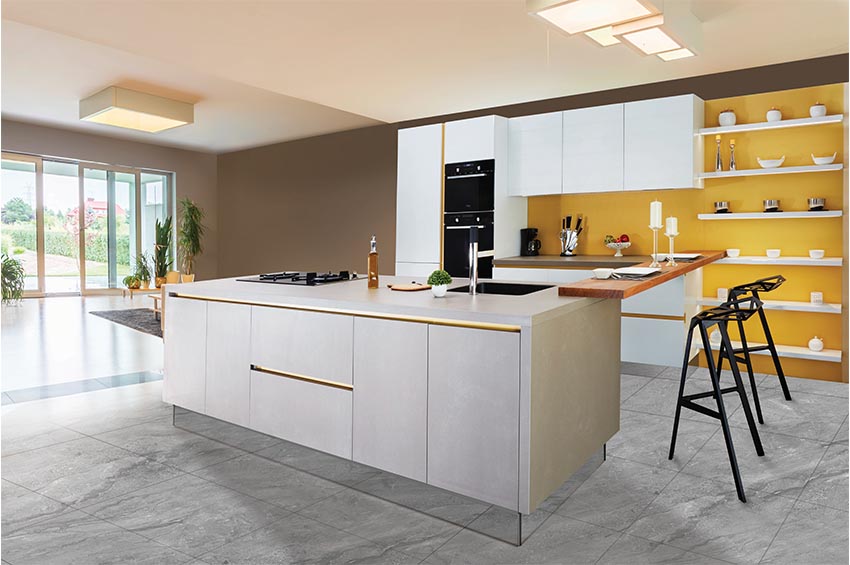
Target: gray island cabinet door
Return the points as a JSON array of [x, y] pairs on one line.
[[185, 340], [228, 361], [473, 413], [390, 395]]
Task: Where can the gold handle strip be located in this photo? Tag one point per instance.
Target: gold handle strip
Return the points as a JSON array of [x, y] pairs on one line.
[[374, 315], [681, 318], [305, 378]]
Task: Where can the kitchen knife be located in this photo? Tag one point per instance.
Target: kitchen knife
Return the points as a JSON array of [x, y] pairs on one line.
[[569, 222], [578, 222]]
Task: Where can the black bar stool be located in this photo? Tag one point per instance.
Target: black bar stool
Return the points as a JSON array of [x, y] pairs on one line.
[[753, 289], [731, 311]]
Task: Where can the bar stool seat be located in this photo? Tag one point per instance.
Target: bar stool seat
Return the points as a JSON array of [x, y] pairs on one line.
[[738, 310]]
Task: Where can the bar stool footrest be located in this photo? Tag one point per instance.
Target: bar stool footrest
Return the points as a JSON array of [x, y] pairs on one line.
[[751, 349], [709, 393], [700, 408]]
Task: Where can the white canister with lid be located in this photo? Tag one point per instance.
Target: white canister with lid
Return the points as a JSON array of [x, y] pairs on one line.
[[774, 115], [817, 110], [727, 118], [816, 344], [816, 297]]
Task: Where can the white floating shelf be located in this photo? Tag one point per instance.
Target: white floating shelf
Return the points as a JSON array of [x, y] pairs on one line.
[[773, 171], [790, 351], [781, 124], [771, 215], [762, 260], [786, 305]]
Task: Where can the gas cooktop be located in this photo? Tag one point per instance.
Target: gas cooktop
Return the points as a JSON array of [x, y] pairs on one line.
[[301, 278]]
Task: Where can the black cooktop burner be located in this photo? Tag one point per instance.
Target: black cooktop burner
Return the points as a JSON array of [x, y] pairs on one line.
[[301, 278]]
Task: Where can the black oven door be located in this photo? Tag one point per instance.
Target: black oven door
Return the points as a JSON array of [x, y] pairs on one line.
[[456, 244], [469, 187]]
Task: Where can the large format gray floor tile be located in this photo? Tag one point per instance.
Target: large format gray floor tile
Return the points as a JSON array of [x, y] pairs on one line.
[[270, 481], [508, 525], [645, 438], [630, 550], [787, 463], [327, 466], [809, 416], [558, 540], [53, 390], [23, 430], [828, 484], [641, 369], [842, 434], [675, 373], [167, 444], [230, 434], [296, 539], [83, 471], [557, 498], [809, 386], [77, 537], [659, 397], [630, 384], [22, 507], [616, 493], [188, 514], [706, 517], [811, 534], [384, 523]]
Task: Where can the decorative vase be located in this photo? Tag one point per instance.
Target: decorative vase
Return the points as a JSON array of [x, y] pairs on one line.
[[727, 118], [818, 110], [187, 278], [159, 281], [146, 284], [816, 344], [774, 115], [439, 290]]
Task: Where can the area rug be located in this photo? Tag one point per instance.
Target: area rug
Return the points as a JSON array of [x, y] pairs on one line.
[[140, 319]]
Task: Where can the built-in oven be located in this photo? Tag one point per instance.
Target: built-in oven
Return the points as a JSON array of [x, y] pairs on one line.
[[469, 187], [456, 235]]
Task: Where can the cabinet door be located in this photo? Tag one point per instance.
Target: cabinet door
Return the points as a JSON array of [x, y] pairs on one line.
[[419, 214], [534, 155], [185, 340], [228, 362], [312, 344], [473, 413], [666, 299], [390, 395], [666, 347], [661, 145], [593, 149], [471, 140], [310, 414]]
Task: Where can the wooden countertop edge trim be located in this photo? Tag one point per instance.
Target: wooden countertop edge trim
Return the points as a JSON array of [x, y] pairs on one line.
[[620, 289]]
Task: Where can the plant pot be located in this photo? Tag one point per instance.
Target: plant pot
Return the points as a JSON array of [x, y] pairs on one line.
[[727, 118], [146, 284], [187, 278], [159, 281], [439, 290], [135, 286]]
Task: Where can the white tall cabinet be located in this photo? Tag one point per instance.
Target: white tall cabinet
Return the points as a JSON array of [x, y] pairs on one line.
[[419, 214]]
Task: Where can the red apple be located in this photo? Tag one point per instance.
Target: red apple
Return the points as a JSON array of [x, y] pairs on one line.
[[623, 238]]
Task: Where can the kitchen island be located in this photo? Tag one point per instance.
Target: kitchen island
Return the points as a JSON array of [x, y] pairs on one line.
[[501, 398]]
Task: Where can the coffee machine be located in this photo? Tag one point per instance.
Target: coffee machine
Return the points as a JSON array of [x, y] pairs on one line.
[[529, 244]]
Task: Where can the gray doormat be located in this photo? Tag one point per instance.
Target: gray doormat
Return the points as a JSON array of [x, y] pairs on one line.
[[141, 319]]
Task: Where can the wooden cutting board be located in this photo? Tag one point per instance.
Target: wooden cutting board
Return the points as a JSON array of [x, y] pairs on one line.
[[411, 287]]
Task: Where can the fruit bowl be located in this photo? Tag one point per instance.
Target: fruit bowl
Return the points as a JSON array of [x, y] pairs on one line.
[[619, 247]]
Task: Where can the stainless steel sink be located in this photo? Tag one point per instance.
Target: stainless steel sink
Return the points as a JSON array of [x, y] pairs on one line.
[[512, 289]]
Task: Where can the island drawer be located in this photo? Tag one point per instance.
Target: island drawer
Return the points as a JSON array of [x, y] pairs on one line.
[[307, 413], [313, 344]]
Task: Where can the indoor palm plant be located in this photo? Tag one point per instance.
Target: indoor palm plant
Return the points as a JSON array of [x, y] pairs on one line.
[[189, 237], [12, 279], [162, 251], [143, 269]]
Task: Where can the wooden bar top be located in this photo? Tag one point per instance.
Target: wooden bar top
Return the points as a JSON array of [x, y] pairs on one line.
[[618, 288]]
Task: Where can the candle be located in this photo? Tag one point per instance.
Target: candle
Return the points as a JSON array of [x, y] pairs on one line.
[[672, 226], [655, 215]]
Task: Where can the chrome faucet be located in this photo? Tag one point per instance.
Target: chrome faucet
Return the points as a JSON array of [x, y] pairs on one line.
[[473, 260]]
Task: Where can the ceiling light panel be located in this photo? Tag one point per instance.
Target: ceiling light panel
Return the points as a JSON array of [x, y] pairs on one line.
[[131, 109], [603, 36], [585, 15], [676, 54], [652, 41]]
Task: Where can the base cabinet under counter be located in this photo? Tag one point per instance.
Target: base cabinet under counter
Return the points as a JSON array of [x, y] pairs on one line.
[[228, 361], [185, 341]]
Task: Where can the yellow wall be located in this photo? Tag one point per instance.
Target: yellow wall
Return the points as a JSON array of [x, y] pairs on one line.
[[628, 212]]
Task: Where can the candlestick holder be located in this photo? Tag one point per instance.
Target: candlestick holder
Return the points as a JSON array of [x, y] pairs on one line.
[[671, 261], [655, 262]]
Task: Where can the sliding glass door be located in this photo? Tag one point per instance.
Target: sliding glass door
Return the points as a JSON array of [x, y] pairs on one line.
[[61, 228], [21, 236]]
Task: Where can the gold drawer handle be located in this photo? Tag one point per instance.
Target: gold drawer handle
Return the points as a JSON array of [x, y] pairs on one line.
[[305, 378]]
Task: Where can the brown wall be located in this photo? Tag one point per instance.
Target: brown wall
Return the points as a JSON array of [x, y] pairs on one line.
[[195, 172]]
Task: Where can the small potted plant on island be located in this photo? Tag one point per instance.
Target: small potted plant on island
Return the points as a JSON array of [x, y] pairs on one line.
[[143, 269], [162, 251], [189, 238], [439, 281], [132, 282], [12, 281]]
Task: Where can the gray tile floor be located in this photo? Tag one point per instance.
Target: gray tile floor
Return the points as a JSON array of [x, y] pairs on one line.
[[103, 477]]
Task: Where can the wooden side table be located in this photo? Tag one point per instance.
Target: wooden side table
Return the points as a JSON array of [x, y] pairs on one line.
[[133, 291], [157, 307]]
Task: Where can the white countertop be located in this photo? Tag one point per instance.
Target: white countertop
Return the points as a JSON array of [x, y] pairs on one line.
[[354, 296]]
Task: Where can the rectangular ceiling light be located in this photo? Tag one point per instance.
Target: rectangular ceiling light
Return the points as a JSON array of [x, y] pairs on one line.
[[130, 109], [603, 36], [584, 15], [652, 40], [676, 54]]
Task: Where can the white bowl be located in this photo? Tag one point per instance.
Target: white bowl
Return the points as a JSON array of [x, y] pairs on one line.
[[816, 253], [619, 247], [824, 160], [733, 252], [602, 273], [773, 253], [770, 163]]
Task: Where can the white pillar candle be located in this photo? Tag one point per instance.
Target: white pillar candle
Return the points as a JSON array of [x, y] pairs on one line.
[[672, 226], [655, 215]]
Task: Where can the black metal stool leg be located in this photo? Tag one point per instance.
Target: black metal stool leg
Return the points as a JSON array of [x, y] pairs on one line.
[[724, 423], [749, 364], [688, 343], [745, 404], [772, 348]]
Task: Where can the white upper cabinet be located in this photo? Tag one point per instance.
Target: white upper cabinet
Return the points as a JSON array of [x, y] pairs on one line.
[[419, 216], [534, 155], [593, 149], [471, 140], [662, 148]]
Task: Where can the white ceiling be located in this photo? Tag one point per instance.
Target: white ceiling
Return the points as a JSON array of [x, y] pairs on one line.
[[390, 60]]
